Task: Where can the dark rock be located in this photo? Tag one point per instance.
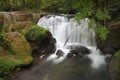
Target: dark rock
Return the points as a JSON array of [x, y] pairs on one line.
[[59, 53], [78, 50], [46, 45]]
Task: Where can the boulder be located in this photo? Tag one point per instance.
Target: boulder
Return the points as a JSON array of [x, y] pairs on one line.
[[41, 40], [21, 25], [78, 50], [17, 43], [59, 53]]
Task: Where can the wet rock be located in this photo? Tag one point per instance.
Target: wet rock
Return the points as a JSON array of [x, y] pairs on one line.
[[59, 53], [78, 50]]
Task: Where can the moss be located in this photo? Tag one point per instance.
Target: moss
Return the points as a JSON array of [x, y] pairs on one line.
[[25, 59], [34, 33], [117, 54], [115, 65], [2, 78], [17, 43], [10, 62], [6, 65]]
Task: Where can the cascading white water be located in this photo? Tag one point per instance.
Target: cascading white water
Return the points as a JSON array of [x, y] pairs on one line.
[[68, 32]]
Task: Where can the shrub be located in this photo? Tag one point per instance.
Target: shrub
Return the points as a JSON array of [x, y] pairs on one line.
[[34, 33]]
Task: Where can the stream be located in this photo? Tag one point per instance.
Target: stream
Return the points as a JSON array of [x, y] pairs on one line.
[[76, 39]]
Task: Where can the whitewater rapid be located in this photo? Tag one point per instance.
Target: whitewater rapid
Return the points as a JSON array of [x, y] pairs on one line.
[[70, 32]]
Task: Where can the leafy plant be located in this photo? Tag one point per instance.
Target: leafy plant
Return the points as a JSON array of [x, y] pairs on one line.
[[101, 31], [117, 54]]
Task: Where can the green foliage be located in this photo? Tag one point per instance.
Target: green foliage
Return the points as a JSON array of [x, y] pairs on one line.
[[117, 54], [2, 78], [6, 65], [34, 33], [101, 31], [102, 15]]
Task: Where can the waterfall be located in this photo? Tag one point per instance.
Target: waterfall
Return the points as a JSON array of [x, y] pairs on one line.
[[70, 32]]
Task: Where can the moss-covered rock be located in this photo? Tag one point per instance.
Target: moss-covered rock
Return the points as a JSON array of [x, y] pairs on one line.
[[115, 66], [36, 33], [21, 26], [9, 62], [41, 40], [6, 65], [17, 43], [25, 60]]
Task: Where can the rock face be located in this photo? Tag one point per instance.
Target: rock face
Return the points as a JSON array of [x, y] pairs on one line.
[[12, 17], [115, 66], [112, 43], [21, 25], [17, 43]]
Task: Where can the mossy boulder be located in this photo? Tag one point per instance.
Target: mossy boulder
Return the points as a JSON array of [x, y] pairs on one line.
[[24, 16], [115, 66], [25, 60], [21, 26], [10, 62], [35, 33], [41, 40], [17, 43]]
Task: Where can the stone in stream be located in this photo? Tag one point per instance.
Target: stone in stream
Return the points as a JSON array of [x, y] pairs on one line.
[[77, 50], [59, 53]]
